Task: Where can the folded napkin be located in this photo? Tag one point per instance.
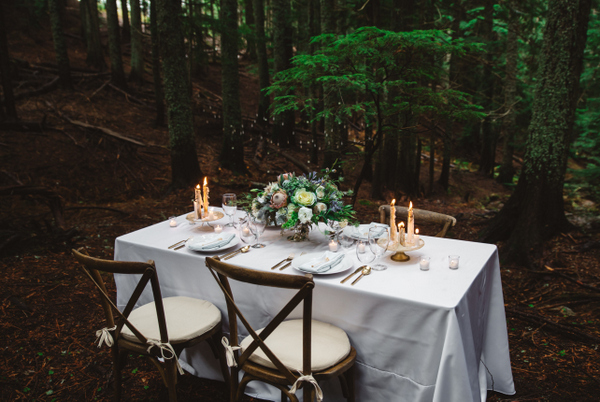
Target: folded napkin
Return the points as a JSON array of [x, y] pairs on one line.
[[363, 233], [212, 244], [323, 263]]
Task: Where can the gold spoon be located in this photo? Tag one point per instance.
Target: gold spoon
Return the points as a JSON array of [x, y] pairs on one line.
[[353, 273], [290, 258], [366, 271], [244, 249]]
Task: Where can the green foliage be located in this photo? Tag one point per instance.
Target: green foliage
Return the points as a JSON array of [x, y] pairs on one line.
[[381, 72]]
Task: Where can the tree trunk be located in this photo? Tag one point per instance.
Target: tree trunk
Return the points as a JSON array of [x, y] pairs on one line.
[[60, 45], [509, 124], [159, 94], [283, 124], [185, 169], [314, 22], [114, 45], [535, 211], [232, 152], [91, 32], [136, 75], [7, 87], [488, 133], [263, 62], [250, 38], [444, 179], [126, 30]]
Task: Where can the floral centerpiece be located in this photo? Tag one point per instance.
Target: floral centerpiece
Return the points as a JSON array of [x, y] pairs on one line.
[[296, 202]]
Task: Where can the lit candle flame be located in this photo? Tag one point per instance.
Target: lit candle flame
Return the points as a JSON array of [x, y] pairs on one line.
[[393, 202], [410, 205], [205, 182], [401, 225], [198, 186], [417, 231]]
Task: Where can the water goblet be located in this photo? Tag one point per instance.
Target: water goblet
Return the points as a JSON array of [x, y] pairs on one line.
[[229, 206], [257, 226], [364, 253], [245, 231], [379, 238]]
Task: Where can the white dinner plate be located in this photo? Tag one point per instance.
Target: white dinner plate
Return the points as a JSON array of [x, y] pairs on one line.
[[358, 233], [345, 265], [196, 242]]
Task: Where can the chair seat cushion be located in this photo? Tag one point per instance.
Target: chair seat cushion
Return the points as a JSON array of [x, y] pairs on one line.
[[186, 319], [330, 345]]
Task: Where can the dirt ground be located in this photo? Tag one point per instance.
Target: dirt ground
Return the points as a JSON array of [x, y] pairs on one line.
[[109, 187]]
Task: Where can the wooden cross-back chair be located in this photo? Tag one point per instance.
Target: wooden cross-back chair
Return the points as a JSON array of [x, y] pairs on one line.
[[294, 353], [146, 330], [421, 216]]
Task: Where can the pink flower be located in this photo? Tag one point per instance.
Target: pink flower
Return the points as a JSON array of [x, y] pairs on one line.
[[279, 199], [286, 176]]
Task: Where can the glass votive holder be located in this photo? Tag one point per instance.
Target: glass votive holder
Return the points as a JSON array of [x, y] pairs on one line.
[[424, 263], [173, 221], [333, 245], [453, 261], [218, 229]]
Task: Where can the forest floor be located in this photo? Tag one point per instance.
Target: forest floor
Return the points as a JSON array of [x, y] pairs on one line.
[[109, 187]]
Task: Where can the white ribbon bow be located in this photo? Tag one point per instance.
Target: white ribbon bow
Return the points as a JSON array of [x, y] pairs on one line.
[[229, 352], [165, 347], [310, 379], [103, 336]]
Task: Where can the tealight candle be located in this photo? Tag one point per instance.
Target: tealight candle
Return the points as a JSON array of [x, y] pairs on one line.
[[361, 247], [172, 221], [424, 263], [453, 261], [333, 246], [218, 229], [245, 232]]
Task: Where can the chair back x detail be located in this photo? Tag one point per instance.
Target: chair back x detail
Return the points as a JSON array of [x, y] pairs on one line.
[[421, 216], [259, 359]]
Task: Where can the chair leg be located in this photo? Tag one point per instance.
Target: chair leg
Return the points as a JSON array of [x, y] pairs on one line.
[[349, 377], [234, 384], [307, 393], [171, 376], [284, 397], [117, 363], [219, 351]]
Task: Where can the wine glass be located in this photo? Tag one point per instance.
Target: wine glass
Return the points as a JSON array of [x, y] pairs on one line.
[[364, 253], [257, 226], [345, 240], [245, 231], [229, 206], [379, 238]]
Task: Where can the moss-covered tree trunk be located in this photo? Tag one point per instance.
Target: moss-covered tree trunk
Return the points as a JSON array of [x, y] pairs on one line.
[[283, 125], [185, 169], [60, 45], [159, 94], [136, 75], [263, 62], [126, 28], [509, 123], [10, 110], [535, 211], [91, 32], [114, 44], [232, 152]]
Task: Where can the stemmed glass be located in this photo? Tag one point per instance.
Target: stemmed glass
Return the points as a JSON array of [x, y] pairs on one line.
[[229, 206], [379, 238], [257, 226], [244, 228], [345, 240], [364, 252]]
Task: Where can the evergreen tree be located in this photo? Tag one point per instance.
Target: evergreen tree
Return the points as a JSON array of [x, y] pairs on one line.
[[60, 45], [114, 44], [185, 169], [232, 152], [159, 94], [9, 108], [535, 211], [126, 29], [137, 50]]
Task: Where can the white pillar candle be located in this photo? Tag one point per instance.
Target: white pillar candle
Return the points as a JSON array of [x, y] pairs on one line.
[[453, 261], [196, 210], [410, 226], [393, 234], [401, 236], [205, 191], [211, 213], [333, 246], [424, 263], [417, 237], [218, 229]]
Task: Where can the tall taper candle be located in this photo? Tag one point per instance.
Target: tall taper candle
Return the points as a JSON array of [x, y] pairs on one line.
[[393, 233], [205, 191], [410, 226]]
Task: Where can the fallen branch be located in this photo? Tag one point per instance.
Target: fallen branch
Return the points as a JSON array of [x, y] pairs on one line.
[[549, 322], [103, 129], [52, 85], [552, 271], [30, 126], [129, 96]]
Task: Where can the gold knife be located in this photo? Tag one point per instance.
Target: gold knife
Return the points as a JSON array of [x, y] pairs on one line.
[[352, 274]]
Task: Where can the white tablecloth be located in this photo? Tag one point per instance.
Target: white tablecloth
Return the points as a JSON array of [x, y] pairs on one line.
[[437, 335]]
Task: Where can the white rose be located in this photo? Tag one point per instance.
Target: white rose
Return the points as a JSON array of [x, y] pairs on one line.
[[304, 215], [320, 191]]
